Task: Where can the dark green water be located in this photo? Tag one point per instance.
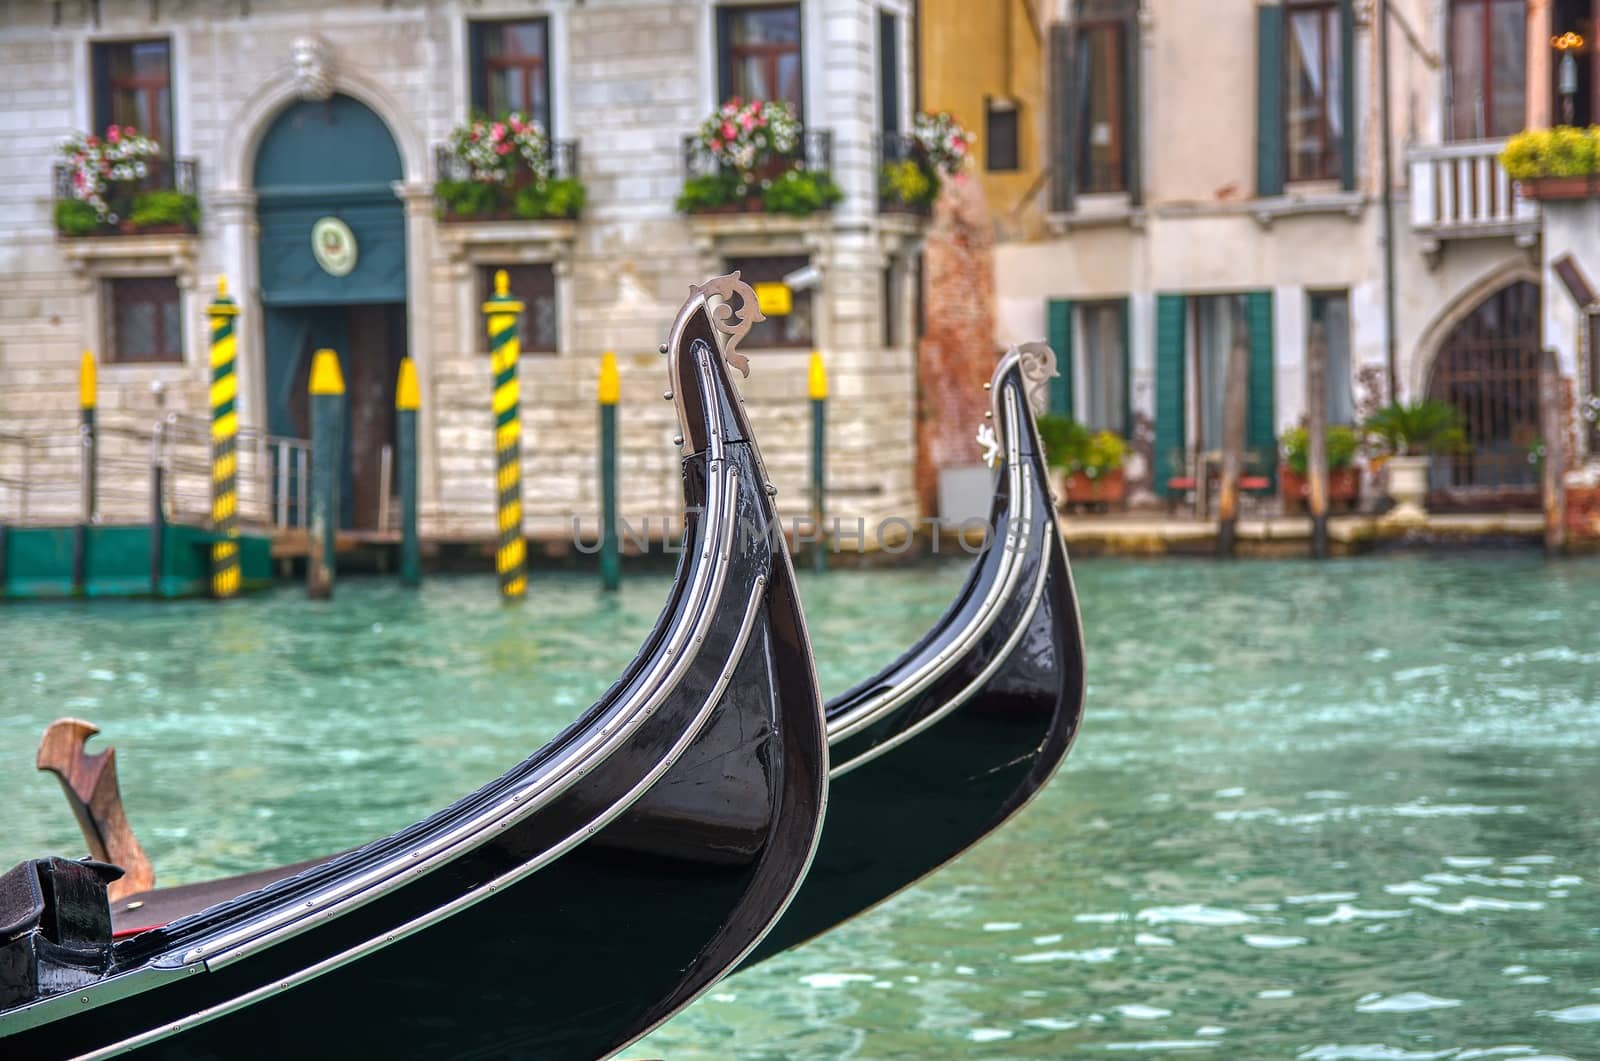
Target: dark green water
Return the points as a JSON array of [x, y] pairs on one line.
[[1349, 812]]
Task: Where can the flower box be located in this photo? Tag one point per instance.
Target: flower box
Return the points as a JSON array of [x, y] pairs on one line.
[[1344, 488], [1555, 189], [1104, 490]]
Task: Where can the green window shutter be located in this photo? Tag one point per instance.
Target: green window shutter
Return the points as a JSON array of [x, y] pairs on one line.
[[1060, 323], [1347, 95], [1063, 75], [1170, 312], [1260, 419], [1127, 369], [1269, 100]]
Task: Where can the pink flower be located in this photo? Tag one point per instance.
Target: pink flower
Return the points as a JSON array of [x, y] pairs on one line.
[[747, 120], [503, 149], [716, 144], [497, 131], [728, 131], [113, 134]]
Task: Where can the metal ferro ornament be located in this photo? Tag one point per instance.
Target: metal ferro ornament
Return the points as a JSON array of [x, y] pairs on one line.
[[1038, 365], [724, 320]]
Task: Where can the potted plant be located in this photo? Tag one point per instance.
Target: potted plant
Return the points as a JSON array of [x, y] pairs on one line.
[[1559, 163], [1085, 466], [109, 182], [505, 172], [1406, 434], [1344, 478], [938, 148], [755, 145]]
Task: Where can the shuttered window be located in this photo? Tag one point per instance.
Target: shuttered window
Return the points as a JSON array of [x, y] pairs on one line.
[[1103, 328], [1058, 313], [1305, 96], [1094, 102]]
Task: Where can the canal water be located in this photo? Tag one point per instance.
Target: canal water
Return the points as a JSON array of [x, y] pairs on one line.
[[1339, 813]]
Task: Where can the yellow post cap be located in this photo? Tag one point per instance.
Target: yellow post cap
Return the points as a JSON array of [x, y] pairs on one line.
[[817, 378], [222, 305], [86, 381], [222, 285], [610, 379], [501, 301], [325, 375], [407, 392]]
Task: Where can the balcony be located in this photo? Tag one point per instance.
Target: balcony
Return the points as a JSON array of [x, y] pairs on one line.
[[166, 201], [1460, 191], [796, 184], [907, 183], [461, 199]]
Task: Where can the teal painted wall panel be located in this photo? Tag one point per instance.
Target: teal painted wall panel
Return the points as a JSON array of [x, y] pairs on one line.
[[1169, 427]]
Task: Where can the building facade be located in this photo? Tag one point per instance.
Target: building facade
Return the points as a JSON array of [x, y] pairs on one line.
[[1212, 175], [287, 117]]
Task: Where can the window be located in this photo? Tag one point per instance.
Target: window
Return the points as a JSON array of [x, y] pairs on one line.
[[890, 307], [142, 321], [794, 329], [759, 53], [1488, 47], [511, 68], [1329, 328], [1102, 327], [1220, 325], [1312, 112], [133, 86], [888, 73], [535, 286], [1102, 109], [1000, 135]]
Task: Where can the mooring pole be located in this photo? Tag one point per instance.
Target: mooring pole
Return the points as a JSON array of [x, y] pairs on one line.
[[1317, 445], [224, 445], [88, 476], [610, 394], [504, 315], [1552, 482], [817, 387], [1235, 391], [327, 442], [407, 400]]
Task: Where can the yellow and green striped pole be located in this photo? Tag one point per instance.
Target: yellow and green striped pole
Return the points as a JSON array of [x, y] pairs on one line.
[[224, 448], [407, 400], [504, 314], [327, 468], [610, 395], [87, 401], [817, 386]]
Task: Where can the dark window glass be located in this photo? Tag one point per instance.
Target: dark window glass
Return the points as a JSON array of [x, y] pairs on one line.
[[535, 286], [888, 72], [1000, 135], [1488, 55], [143, 322], [1313, 119], [759, 53], [1105, 384], [1103, 119], [1329, 328], [133, 86], [794, 329], [1220, 325], [890, 307], [512, 68]]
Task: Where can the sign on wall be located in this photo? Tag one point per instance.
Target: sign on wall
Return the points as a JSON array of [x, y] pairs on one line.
[[334, 246], [774, 299]]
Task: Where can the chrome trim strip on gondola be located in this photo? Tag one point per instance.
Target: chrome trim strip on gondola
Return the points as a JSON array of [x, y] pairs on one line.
[[870, 711], [483, 891], [226, 947]]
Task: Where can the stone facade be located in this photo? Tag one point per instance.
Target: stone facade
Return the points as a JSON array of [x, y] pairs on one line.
[[629, 79]]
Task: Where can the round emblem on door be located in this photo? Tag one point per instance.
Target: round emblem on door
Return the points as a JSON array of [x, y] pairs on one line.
[[334, 245]]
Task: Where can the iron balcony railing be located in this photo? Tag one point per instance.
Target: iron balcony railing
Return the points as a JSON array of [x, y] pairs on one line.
[[812, 152], [563, 162], [164, 174], [893, 149]]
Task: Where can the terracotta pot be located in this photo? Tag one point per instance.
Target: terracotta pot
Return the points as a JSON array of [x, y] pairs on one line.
[[1557, 188], [1344, 487], [1583, 512], [1107, 489]]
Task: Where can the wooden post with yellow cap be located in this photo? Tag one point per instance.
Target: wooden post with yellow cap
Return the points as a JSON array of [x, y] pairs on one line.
[[504, 315], [817, 386], [327, 446], [407, 400], [224, 444], [610, 394], [88, 474]]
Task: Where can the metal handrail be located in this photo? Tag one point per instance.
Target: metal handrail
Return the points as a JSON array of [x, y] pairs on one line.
[[813, 152]]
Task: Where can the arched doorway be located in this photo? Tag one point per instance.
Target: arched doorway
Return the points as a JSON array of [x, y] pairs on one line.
[[1488, 368], [333, 274]]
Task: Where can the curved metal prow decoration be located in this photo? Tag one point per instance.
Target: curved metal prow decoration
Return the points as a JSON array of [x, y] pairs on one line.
[[89, 780]]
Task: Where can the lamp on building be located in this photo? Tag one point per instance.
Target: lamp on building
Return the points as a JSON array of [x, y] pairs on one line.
[[1567, 76]]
